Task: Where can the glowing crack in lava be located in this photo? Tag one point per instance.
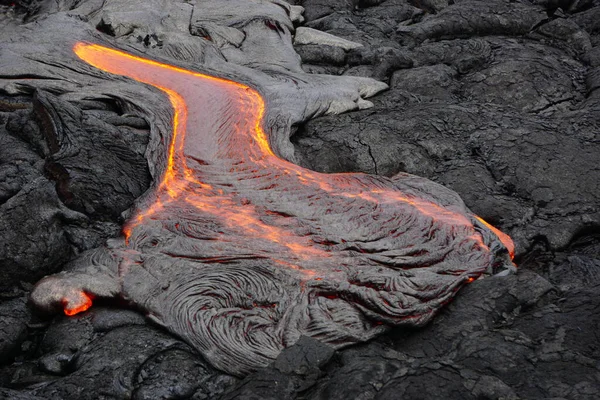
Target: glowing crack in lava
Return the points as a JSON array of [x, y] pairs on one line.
[[240, 252]]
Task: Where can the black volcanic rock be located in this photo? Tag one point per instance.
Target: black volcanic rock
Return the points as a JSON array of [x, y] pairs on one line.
[[14, 317]]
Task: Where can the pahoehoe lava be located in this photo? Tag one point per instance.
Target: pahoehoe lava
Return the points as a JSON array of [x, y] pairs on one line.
[[240, 252]]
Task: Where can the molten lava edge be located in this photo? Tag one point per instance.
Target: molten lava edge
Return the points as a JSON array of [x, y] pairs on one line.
[[182, 185], [81, 303]]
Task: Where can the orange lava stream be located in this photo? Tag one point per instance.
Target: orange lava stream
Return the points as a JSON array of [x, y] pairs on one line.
[[242, 142]]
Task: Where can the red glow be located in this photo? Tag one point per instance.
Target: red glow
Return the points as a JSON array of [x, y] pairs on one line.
[[76, 306]]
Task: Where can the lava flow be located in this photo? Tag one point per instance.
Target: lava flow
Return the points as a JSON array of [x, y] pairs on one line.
[[239, 140], [240, 252]]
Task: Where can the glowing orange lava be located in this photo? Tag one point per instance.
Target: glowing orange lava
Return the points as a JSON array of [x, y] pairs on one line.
[[82, 303], [504, 238], [196, 169]]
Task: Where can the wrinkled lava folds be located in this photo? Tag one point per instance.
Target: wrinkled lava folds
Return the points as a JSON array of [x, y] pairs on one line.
[[240, 252]]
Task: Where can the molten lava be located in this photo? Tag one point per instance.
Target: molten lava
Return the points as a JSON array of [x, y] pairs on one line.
[[503, 237], [80, 303], [240, 252]]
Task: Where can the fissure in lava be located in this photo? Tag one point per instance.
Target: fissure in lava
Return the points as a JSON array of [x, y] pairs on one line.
[[240, 252]]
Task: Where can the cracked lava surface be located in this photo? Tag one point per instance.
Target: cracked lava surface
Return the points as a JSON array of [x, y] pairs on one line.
[[240, 252]]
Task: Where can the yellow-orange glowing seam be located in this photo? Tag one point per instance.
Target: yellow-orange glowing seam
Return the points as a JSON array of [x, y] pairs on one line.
[[503, 237], [158, 205], [179, 119], [261, 136]]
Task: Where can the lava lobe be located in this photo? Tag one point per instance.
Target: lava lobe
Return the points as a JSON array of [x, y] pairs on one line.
[[240, 252]]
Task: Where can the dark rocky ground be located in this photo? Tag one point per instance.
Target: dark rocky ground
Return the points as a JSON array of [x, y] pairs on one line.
[[497, 100]]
